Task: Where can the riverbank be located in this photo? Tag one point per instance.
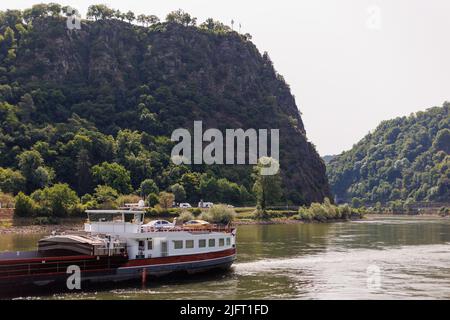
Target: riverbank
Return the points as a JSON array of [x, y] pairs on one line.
[[26, 226]]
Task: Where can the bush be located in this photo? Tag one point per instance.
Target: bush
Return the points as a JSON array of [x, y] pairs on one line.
[[45, 220], [304, 214], [106, 197], [196, 212], [260, 214], [166, 199], [327, 211], [152, 200], [6, 200], [158, 211], [185, 216], [25, 206], [128, 198], [219, 214], [346, 211], [444, 211], [60, 199]]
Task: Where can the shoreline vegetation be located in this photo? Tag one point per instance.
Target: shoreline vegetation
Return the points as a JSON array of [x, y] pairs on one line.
[[316, 213], [26, 226]]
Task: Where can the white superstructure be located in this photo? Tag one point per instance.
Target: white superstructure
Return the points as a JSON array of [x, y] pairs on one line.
[[144, 241]]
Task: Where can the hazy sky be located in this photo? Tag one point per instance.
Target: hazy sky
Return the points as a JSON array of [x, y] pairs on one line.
[[350, 63]]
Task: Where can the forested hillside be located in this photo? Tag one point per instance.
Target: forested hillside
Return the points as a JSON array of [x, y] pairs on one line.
[[406, 158], [97, 106]]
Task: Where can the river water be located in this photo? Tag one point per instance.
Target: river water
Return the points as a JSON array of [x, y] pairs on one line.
[[376, 258]]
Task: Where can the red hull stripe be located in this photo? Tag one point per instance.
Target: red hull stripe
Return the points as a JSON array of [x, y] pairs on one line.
[[179, 259], [46, 259]]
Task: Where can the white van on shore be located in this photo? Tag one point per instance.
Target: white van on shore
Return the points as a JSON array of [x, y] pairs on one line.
[[203, 204]]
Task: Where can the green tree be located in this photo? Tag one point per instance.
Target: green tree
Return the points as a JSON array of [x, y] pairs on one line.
[[113, 175], [442, 140], [105, 197], [179, 192], [25, 206], [166, 200], [59, 198], [130, 16], [100, 11], [267, 188], [26, 107], [84, 178], [11, 181], [191, 184], [152, 200], [147, 187], [181, 17], [32, 167]]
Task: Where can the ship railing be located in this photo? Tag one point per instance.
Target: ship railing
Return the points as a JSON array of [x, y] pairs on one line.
[[203, 229]]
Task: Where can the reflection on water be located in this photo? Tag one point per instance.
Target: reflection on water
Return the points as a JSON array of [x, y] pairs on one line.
[[311, 261]]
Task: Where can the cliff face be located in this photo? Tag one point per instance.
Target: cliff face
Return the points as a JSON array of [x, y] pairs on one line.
[[117, 75]]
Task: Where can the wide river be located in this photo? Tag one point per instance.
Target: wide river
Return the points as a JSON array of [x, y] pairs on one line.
[[376, 258]]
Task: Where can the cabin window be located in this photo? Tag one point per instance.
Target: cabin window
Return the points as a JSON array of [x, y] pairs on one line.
[[212, 243], [178, 244], [228, 241], [202, 243], [149, 244], [221, 242], [189, 244]]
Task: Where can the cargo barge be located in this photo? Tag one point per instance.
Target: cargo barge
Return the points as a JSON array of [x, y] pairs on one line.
[[116, 245]]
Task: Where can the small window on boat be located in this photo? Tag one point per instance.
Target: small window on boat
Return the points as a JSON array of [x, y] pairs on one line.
[[228, 241], [189, 244], [149, 244], [178, 244], [221, 242], [141, 245], [212, 243], [202, 243]]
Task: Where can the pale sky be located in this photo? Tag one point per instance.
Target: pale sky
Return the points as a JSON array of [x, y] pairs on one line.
[[349, 63]]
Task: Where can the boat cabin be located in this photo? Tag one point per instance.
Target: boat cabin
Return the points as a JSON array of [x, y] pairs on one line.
[[143, 241], [114, 221]]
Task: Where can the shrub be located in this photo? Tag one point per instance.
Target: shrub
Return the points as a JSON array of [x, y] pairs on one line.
[[327, 211], [6, 200], [25, 206], [196, 212], [166, 199], [185, 216], [260, 214], [304, 214], [444, 211], [45, 220], [152, 200], [60, 199], [219, 214], [128, 198], [345, 210], [105, 197]]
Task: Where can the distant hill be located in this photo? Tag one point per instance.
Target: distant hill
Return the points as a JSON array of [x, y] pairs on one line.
[[404, 158], [328, 158], [114, 92]]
